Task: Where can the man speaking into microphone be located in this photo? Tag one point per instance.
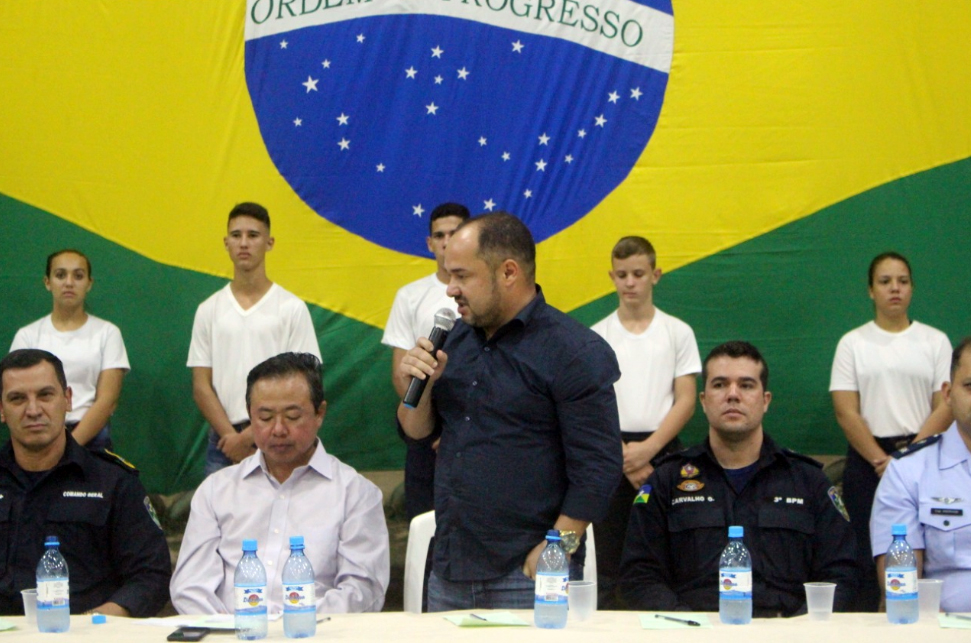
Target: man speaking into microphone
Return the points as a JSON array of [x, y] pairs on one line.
[[522, 396]]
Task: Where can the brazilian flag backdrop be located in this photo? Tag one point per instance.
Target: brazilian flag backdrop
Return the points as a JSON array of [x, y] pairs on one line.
[[769, 150]]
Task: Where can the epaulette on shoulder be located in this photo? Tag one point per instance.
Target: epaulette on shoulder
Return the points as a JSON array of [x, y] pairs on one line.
[[115, 459], [805, 458], [668, 457], [916, 446]]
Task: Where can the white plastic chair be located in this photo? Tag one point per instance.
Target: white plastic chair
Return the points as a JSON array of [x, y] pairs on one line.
[[420, 534]]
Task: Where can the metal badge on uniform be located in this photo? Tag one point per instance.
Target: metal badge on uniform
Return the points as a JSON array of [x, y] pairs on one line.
[[691, 486], [151, 512], [837, 500], [643, 495], [689, 471], [946, 500]]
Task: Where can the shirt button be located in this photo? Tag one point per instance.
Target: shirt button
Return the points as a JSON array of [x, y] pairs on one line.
[[487, 349], [283, 497], [468, 419], [947, 523], [458, 455], [475, 382], [276, 531], [269, 562]]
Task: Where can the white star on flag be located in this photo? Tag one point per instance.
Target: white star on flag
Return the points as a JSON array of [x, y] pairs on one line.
[[342, 119], [463, 73], [489, 205], [544, 139], [380, 167], [517, 47], [283, 44], [418, 210], [344, 143], [541, 165], [482, 141], [636, 93], [432, 109], [437, 52], [601, 120], [438, 80], [298, 122], [311, 84], [613, 97], [528, 193], [360, 37], [569, 158], [326, 64], [411, 71], [582, 133], [506, 156]]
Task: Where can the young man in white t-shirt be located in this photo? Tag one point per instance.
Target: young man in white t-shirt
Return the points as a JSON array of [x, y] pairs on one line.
[[659, 361], [412, 316], [248, 321]]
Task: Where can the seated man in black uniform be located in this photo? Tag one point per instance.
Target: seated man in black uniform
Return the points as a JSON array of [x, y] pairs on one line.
[[796, 528], [93, 502]]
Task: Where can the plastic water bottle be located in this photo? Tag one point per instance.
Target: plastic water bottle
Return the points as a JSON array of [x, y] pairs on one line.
[[53, 594], [250, 582], [299, 597], [552, 578], [901, 579], [735, 580]]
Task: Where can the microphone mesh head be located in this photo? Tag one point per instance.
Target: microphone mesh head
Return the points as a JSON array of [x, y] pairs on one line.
[[445, 318]]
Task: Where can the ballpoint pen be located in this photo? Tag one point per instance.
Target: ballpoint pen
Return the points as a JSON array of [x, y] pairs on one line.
[[481, 618], [678, 620]]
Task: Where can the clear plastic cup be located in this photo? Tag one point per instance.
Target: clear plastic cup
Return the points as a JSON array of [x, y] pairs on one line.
[[819, 600], [929, 596], [30, 605], [583, 599]]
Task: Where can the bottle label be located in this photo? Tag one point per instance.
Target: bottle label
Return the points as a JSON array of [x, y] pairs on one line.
[[902, 585], [251, 598], [53, 593], [299, 597], [551, 588], [735, 584]]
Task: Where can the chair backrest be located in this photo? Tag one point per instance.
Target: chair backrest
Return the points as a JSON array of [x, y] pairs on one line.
[[419, 535]]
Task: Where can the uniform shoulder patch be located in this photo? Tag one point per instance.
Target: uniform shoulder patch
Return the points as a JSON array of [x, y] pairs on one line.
[[804, 458], [837, 500], [643, 495], [114, 458], [916, 446]]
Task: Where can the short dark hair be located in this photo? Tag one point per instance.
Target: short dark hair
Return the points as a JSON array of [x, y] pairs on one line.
[[736, 349], [54, 255], [448, 210], [28, 358], [633, 245], [883, 256], [503, 236], [249, 209], [959, 350], [286, 364]]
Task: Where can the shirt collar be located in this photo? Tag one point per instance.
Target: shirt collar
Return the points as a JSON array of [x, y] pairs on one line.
[[319, 462], [521, 319], [953, 450]]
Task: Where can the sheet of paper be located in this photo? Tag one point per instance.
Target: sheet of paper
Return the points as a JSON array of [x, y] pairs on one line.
[[951, 621]]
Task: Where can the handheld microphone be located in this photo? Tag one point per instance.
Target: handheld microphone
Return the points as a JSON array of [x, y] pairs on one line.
[[444, 320]]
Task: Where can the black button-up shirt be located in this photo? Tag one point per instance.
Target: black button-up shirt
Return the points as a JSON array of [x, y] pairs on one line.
[[794, 532], [529, 430], [99, 511]]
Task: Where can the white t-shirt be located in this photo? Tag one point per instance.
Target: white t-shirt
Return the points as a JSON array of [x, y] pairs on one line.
[[231, 341], [413, 311], [896, 374], [85, 352], [649, 363]]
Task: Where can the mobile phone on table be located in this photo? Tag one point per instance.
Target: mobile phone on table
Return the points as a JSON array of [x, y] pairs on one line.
[[189, 634]]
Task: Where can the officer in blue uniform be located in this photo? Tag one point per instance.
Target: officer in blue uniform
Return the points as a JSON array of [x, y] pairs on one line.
[[927, 487], [49, 485], [796, 527]]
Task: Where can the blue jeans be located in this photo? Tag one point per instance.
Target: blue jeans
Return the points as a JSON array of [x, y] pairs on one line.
[[216, 459], [512, 591]]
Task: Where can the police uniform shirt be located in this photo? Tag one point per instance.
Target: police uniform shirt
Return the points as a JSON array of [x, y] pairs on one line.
[[927, 487], [114, 548], [795, 529]]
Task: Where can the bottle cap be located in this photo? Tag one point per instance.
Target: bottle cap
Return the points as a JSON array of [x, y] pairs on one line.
[[736, 531], [52, 541], [249, 544], [898, 530], [553, 534], [296, 541], [99, 619]]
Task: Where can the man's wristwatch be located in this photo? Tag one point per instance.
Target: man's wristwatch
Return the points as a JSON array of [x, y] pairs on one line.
[[570, 540]]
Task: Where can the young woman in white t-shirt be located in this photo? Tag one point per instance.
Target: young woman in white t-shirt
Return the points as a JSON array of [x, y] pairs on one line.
[[92, 349], [886, 389]]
